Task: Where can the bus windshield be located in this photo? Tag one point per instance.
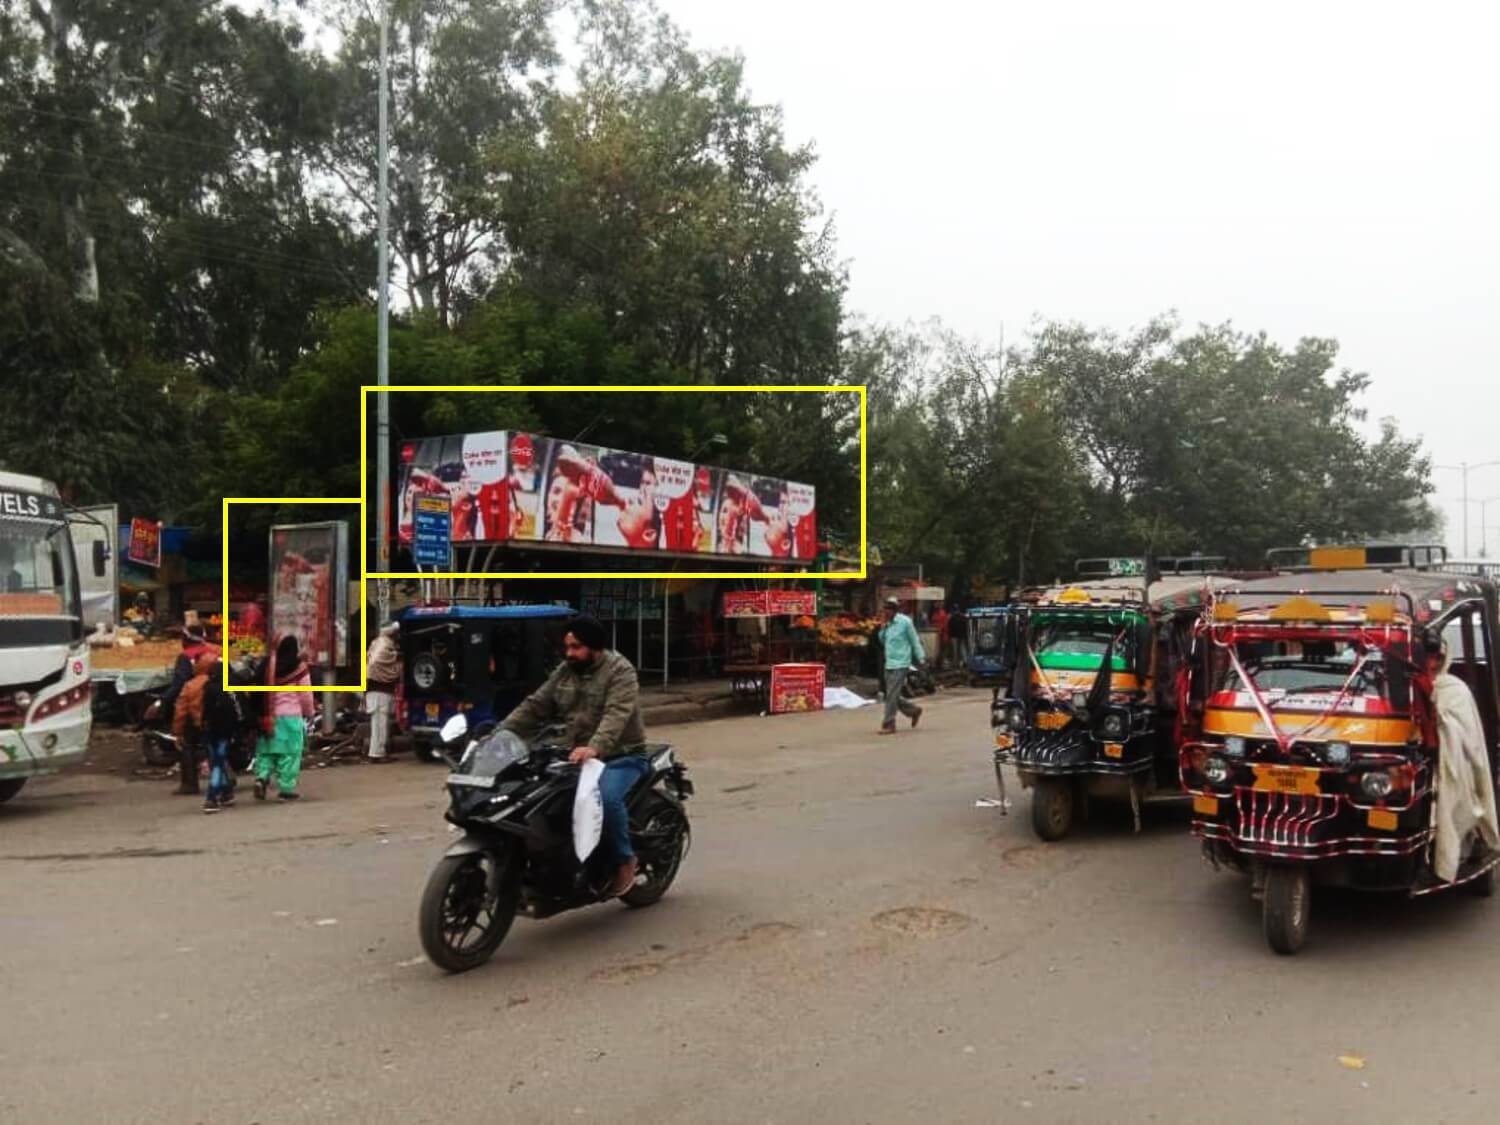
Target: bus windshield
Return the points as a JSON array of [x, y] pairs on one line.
[[39, 600]]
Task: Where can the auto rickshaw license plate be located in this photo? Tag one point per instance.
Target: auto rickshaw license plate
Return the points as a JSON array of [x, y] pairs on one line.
[[1286, 779], [1052, 720]]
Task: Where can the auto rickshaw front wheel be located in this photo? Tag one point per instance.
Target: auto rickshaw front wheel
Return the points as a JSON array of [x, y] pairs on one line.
[[1052, 807], [1286, 907]]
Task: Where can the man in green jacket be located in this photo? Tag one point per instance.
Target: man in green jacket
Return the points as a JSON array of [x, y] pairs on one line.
[[903, 648], [594, 691]]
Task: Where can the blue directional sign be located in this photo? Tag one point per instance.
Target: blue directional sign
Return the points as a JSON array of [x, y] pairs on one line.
[[432, 532]]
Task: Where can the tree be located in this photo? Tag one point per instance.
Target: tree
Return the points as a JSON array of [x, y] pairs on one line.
[[464, 76]]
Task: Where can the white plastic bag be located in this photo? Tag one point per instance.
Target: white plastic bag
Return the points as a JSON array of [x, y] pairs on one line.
[[588, 810]]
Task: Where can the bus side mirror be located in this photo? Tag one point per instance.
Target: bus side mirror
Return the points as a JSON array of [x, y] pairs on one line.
[[101, 556]]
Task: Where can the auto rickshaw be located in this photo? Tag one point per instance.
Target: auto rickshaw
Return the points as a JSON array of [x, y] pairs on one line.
[[1311, 742], [1089, 714], [992, 645], [476, 660]]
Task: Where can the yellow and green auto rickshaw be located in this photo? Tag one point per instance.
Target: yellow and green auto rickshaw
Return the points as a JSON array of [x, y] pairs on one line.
[[1340, 726], [1088, 715]]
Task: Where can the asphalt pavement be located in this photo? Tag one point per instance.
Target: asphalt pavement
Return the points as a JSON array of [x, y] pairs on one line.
[[852, 939]]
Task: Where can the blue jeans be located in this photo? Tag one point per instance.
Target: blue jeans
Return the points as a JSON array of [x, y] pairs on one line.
[[618, 776], [220, 777]]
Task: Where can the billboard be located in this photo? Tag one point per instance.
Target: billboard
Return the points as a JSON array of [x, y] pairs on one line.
[[518, 488], [309, 592]]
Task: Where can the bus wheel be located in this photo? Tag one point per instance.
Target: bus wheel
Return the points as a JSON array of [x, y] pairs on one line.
[[1052, 806], [1286, 907]]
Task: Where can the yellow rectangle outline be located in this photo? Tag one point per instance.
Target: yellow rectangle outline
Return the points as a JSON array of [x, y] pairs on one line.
[[616, 388], [363, 599]]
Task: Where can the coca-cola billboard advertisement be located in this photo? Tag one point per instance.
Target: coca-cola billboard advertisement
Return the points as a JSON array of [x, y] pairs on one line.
[[509, 487]]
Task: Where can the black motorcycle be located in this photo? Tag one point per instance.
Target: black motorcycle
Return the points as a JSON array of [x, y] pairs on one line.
[[514, 802]]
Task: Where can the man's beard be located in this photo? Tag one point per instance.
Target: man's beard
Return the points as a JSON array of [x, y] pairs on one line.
[[578, 663]]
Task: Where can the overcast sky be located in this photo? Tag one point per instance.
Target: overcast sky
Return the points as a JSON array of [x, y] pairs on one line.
[[1318, 168]]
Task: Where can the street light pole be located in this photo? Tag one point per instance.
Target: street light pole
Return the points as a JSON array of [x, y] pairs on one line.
[[1463, 468], [382, 335]]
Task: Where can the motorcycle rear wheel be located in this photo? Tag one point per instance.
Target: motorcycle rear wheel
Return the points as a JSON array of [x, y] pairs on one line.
[[662, 843], [461, 924]]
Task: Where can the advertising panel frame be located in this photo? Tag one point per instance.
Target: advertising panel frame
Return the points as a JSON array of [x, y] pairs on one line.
[[786, 568]]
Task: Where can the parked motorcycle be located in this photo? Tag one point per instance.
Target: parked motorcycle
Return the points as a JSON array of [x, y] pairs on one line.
[[514, 802]]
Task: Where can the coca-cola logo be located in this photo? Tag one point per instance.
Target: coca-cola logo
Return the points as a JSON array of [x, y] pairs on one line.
[[522, 453]]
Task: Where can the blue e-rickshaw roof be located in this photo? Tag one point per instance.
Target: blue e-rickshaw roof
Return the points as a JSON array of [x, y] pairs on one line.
[[483, 612], [990, 610]]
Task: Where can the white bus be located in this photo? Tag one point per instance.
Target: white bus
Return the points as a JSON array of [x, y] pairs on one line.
[[44, 661]]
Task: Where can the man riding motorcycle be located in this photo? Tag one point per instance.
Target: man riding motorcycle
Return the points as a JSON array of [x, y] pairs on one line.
[[594, 691]]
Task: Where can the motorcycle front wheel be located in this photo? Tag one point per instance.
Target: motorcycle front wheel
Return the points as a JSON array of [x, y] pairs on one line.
[[467, 909]]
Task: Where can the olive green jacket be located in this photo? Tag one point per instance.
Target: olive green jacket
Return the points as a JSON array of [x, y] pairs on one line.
[[600, 706]]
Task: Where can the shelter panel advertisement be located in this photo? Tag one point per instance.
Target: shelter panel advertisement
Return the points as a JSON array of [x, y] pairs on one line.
[[521, 488], [308, 591]]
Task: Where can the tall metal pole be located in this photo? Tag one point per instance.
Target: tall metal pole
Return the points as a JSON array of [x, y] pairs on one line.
[[1464, 467], [382, 334]]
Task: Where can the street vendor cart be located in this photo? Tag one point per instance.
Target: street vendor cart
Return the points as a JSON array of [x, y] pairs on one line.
[[759, 635]]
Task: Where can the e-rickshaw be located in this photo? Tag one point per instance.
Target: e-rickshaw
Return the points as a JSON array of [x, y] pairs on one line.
[[1320, 743], [476, 660], [1088, 714], [992, 645]]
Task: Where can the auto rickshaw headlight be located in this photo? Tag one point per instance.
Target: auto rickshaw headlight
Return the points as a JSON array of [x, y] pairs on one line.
[[1017, 717], [1336, 753], [1216, 770], [1376, 785], [1234, 746], [1115, 725]]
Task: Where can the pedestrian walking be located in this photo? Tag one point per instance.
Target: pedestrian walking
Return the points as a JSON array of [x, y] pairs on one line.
[[903, 649], [208, 719], [382, 677], [958, 635], [189, 725], [940, 623], [278, 756]]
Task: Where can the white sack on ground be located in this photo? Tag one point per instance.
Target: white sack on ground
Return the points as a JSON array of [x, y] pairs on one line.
[[1465, 788], [842, 699]]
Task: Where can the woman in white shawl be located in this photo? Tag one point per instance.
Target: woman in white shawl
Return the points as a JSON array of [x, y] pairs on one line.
[[1465, 803]]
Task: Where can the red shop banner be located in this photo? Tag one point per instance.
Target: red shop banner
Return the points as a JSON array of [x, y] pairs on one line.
[[746, 603], [792, 603], [145, 542], [797, 687]]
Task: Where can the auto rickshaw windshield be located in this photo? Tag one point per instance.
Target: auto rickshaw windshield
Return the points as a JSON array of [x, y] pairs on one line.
[[1075, 640], [1300, 667]]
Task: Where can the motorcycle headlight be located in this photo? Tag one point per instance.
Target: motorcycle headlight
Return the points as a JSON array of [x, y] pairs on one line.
[[1216, 770], [1376, 785], [1234, 746], [1336, 753], [1115, 725]]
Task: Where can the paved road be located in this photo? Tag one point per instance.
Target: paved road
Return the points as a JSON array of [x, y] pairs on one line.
[[852, 940]]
